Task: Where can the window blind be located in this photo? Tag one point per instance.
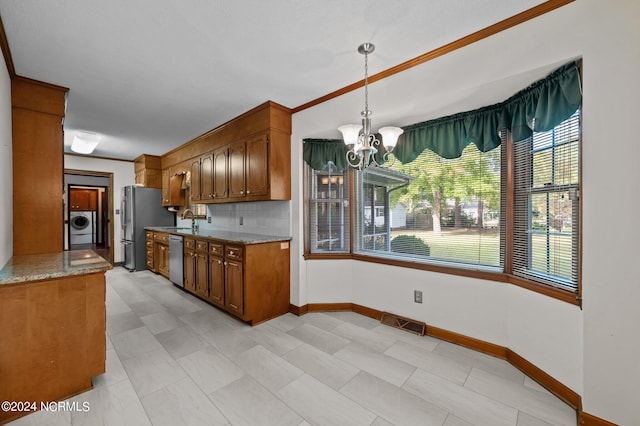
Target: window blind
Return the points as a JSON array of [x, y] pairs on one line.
[[546, 205]]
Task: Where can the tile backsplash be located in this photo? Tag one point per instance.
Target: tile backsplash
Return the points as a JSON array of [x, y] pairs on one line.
[[260, 217]]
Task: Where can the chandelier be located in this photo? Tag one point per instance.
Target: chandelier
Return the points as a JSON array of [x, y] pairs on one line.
[[362, 144]]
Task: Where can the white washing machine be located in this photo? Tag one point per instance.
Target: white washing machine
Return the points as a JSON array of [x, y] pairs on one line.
[[82, 227]]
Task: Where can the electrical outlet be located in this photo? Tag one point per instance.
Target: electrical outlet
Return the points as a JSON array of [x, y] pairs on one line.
[[241, 220], [209, 219], [417, 296]]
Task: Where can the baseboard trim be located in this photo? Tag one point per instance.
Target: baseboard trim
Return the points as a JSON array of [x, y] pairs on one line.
[[565, 393]]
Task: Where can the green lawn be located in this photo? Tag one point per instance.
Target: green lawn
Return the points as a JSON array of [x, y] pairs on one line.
[[464, 245]]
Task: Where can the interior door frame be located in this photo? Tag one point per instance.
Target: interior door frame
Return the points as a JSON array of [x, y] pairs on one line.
[[108, 175]]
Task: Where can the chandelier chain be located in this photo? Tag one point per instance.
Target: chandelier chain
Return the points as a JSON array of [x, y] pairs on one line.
[[366, 83]]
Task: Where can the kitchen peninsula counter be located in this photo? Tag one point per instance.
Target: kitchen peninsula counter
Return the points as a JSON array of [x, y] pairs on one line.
[[52, 326], [38, 267]]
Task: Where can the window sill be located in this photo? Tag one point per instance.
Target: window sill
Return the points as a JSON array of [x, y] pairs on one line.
[[556, 293]]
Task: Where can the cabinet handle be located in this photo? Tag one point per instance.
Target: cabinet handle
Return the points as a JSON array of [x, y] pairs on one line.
[[219, 262], [248, 192], [231, 252], [241, 192], [225, 263]]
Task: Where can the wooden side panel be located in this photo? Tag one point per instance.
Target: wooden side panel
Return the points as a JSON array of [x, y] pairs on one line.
[[37, 182], [280, 165], [53, 338], [38, 96], [266, 281]]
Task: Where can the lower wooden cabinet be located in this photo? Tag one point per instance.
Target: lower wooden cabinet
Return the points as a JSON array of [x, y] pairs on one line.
[[161, 254], [189, 265], [216, 280], [250, 281]]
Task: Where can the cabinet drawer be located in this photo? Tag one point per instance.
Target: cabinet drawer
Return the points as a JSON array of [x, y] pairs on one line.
[[202, 245], [189, 243], [163, 238], [233, 252], [215, 248]]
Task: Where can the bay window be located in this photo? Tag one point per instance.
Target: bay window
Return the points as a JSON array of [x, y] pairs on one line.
[[490, 193]]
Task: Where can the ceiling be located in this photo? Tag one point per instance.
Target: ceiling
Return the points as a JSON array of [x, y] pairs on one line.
[[149, 75]]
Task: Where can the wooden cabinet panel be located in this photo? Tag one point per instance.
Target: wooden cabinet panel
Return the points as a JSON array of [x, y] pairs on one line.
[[236, 170], [257, 162], [202, 275], [189, 270], [206, 177], [166, 192], [83, 199], [234, 287], [220, 174], [161, 254], [216, 280], [195, 180], [173, 193]]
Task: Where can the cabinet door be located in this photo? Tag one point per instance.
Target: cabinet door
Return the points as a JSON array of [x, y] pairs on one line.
[[166, 190], [257, 170], [220, 174], [164, 268], [189, 270], [216, 280], [206, 177], [195, 180], [202, 274], [236, 170], [234, 287]]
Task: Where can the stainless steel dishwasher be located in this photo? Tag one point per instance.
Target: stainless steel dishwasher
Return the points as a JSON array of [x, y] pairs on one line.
[[176, 259]]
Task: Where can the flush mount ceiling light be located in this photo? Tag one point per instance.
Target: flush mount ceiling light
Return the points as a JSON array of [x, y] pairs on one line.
[[85, 142], [361, 142]]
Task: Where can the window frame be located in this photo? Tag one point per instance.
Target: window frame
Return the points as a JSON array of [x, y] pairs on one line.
[[506, 275]]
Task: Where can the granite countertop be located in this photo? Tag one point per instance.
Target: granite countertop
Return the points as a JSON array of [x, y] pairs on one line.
[[227, 236], [39, 267]]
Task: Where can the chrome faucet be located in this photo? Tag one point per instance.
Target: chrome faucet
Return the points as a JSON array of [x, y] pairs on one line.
[[194, 224]]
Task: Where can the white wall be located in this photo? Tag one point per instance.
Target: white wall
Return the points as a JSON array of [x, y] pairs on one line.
[[123, 175], [594, 351], [6, 172]]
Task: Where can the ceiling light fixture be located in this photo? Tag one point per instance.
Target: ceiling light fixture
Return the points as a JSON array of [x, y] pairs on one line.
[[361, 142], [85, 142]]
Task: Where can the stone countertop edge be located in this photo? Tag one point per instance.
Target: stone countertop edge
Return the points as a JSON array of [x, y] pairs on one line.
[[21, 269], [227, 236]]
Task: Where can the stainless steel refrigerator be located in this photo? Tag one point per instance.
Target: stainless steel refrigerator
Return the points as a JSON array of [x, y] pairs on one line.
[[141, 207]]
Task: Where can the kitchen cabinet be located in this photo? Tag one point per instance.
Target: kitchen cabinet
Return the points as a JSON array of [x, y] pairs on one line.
[[37, 112], [237, 170], [161, 254], [150, 249], [216, 274], [202, 269], [250, 281], [221, 173], [234, 281], [173, 193], [83, 199], [189, 265], [148, 171], [246, 159]]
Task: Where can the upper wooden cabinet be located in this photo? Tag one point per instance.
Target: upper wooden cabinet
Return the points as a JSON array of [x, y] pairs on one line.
[[37, 110], [173, 193], [83, 199], [245, 159], [148, 171]]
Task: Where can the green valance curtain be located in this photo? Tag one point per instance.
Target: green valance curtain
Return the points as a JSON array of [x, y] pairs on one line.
[[539, 107]]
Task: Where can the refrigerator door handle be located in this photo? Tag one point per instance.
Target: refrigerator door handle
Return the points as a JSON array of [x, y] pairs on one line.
[[123, 214]]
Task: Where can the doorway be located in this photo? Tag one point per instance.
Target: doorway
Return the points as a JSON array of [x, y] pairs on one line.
[[88, 212]]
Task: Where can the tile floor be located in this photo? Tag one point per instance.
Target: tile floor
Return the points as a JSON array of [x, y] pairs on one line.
[[175, 360]]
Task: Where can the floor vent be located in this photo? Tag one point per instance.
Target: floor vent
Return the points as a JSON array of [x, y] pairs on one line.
[[403, 323]]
